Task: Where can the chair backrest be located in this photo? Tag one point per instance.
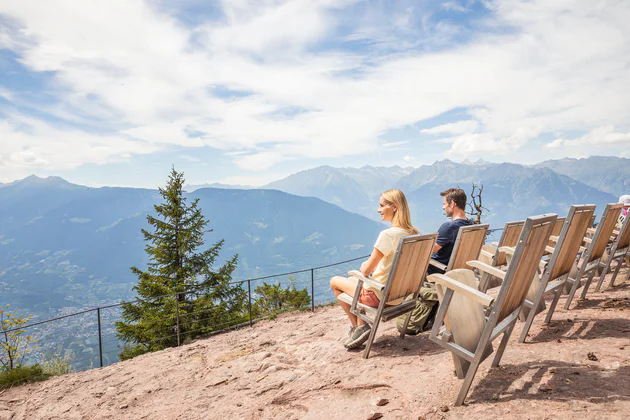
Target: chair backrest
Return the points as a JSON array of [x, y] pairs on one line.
[[467, 246], [623, 239], [557, 227], [569, 239], [410, 265], [524, 263], [604, 229], [511, 232]]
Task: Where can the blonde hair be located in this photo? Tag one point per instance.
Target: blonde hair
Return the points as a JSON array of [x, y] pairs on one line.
[[402, 218]]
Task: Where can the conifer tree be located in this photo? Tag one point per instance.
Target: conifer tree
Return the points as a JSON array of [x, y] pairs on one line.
[[204, 299]]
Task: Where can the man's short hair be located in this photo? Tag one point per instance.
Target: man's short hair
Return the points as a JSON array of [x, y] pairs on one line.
[[457, 195]]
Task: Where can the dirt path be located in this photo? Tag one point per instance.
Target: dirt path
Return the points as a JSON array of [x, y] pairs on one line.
[[295, 367]]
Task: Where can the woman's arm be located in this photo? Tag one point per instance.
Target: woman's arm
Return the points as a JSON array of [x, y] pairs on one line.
[[369, 266]]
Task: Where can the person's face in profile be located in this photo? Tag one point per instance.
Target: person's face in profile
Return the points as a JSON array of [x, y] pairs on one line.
[[386, 210], [448, 207]]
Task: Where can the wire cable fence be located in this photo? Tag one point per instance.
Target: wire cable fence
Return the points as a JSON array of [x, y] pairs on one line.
[[88, 339]]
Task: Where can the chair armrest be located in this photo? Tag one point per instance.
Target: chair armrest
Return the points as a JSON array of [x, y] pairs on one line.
[[437, 264], [456, 286], [507, 249], [582, 249], [370, 282], [591, 231], [554, 238], [549, 249], [487, 269], [587, 240], [615, 232], [486, 253]]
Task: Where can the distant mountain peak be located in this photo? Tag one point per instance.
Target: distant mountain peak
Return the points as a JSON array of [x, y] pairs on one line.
[[36, 181]]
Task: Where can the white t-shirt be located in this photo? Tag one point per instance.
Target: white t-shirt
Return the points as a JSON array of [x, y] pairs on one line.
[[387, 243]]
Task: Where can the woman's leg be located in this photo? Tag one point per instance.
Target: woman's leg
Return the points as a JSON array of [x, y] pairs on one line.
[[348, 286]]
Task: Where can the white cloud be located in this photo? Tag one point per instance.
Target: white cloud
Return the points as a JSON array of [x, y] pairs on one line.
[[599, 137], [124, 68]]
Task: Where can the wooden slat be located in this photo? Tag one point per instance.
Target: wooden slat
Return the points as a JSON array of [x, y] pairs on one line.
[[605, 228], [412, 262], [521, 274], [511, 232], [471, 239], [572, 242]]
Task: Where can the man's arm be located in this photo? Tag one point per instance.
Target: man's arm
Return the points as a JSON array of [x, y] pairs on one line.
[[436, 248], [442, 238]]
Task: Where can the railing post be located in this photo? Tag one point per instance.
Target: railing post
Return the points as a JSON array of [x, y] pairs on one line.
[[100, 337], [177, 316], [249, 293], [312, 290]]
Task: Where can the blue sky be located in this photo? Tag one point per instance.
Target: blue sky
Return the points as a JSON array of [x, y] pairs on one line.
[[249, 91]]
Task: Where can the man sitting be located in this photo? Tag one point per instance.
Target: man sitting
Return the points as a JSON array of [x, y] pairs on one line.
[[454, 205]]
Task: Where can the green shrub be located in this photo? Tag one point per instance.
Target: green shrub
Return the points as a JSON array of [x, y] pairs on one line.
[[274, 299], [20, 375], [56, 364]]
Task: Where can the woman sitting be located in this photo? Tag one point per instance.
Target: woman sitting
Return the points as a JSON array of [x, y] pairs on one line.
[[393, 208]]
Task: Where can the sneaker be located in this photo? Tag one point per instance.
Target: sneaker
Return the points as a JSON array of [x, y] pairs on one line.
[[347, 340], [358, 337]]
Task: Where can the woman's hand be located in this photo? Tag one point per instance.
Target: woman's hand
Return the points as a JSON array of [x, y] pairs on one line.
[[364, 268]]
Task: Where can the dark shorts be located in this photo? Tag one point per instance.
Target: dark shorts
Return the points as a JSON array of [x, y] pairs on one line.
[[368, 298]]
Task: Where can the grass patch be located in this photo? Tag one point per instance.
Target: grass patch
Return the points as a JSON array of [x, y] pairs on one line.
[[22, 375]]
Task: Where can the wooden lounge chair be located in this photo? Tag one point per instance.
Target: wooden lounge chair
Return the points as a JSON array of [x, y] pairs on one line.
[[496, 257], [405, 278], [557, 270], [469, 320], [618, 252], [467, 247], [594, 251]]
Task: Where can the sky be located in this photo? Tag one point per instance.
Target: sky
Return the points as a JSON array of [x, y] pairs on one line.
[[248, 91]]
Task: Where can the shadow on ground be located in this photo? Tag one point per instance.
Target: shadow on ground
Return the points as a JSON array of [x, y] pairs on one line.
[[553, 380]]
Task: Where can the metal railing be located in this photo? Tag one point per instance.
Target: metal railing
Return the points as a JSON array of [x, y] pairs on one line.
[[88, 337]]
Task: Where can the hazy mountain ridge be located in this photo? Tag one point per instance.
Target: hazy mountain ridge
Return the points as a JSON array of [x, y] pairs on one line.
[[70, 247], [607, 173], [511, 191]]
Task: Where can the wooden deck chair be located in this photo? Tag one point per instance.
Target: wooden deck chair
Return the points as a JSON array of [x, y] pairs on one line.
[[618, 252], [405, 278], [557, 270], [594, 251], [470, 240], [461, 324], [509, 238]]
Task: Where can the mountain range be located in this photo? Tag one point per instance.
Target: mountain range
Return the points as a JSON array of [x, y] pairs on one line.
[[69, 246], [511, 191], [66, 246]]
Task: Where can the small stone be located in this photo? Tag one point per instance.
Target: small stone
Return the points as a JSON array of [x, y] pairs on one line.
[[592, 356], [569, 320], [552, 370], [261, 409], [444, 409], [622, 347], [382, 402], [270, 369], [375, 416], [122, 407]]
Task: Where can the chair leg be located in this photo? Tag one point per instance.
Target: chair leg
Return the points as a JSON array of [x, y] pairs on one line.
[[503, 345], [470, 375], [604, 272], [368, 346], [552, 307], [588, 283], [574, 288], [532, 313], [402, 334], [614, 276]]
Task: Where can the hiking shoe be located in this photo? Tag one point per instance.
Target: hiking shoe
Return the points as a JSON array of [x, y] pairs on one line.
[[358, 337], [347, 340]]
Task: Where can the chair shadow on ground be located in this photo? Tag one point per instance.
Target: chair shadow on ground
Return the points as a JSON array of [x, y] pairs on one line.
[[553, 380], [389, 345], [583, 329]]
